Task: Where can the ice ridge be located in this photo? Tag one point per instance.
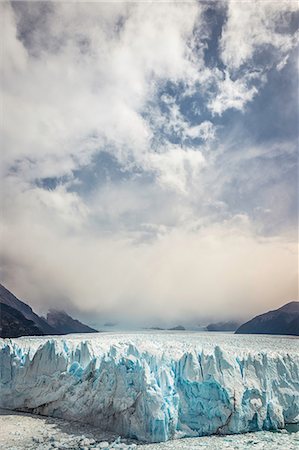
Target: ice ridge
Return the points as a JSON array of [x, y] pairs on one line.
[[151, 395]]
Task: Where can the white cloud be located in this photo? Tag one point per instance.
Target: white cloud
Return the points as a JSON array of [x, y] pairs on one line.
[[255, 37], [205, 130], [181, 274], [177, 168], [84, 74], [231, 94], [173, 123], [84, 89], [82, 78], [14, 56], [253, 25], [282, 63]]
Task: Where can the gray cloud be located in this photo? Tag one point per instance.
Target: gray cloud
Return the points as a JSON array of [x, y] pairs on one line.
[[118, 192]]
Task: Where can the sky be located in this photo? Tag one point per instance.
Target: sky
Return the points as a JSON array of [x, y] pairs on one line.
[[149, 164]]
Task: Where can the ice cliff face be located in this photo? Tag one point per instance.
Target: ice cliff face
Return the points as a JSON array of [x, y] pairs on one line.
[[152, 388]]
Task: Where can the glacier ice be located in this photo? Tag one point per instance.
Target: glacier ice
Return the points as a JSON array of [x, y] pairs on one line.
[[155, 387]]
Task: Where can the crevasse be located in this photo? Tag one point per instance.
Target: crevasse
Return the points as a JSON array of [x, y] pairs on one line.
[[148, 392]]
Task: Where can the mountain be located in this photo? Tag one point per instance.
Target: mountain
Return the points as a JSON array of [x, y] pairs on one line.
[[177, 328], [223, 326], [18, 319], [284, 320], [7, 298], [14, 324], [64, 324]]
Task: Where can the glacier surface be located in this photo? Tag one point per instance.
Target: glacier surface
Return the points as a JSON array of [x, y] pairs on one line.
[[155, 387]]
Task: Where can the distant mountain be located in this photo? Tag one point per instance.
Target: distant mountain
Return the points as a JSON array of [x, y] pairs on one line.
[[64, 324], [14, 324], [18, 319], [177, 328], [223, 326], [284, 320], [7, 298]]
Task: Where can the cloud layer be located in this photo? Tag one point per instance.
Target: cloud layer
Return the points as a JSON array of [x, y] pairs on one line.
[[138, 167]]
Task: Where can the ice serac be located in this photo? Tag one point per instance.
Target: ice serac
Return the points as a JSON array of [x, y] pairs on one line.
[[152, 391]]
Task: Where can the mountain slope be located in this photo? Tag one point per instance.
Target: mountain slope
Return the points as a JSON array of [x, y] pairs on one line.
[[7, 298], [14, 324], [284, 320], [18, 319], [223, 326], [64, 324]]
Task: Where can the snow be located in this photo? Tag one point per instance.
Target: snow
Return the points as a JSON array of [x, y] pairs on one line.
[[155, 386], [258, 441], [22, 431]]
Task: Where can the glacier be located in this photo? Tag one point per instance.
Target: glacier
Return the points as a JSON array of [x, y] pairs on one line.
[[155, 386]]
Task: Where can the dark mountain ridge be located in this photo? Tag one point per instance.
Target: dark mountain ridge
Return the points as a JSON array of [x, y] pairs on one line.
[[284, 321], [9, 299], [18, 319], [64, 324], [14, 324]]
